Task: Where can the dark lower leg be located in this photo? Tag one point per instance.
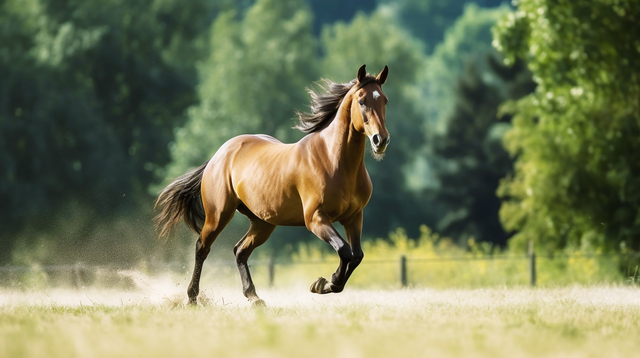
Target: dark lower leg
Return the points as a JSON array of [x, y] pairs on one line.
[[321, 226], [339, 278], [358, 255], [194, 286], [248, 288], [258, 233]]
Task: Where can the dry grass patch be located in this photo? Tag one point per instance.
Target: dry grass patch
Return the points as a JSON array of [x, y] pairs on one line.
[[507, 322]]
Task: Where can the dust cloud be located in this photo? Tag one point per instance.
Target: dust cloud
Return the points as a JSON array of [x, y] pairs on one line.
[[169, 291]]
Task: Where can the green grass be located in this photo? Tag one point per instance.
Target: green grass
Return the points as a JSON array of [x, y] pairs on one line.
[[580, 321]]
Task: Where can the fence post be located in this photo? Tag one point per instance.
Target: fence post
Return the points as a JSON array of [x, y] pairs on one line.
[[77, 274], [403, 271], [532, 265], [272, 270]]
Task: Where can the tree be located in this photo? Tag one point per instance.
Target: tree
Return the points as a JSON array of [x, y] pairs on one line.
[[576, 182], [430, 20], [469, 159], [468, 39], [326, 12], [91, 92]]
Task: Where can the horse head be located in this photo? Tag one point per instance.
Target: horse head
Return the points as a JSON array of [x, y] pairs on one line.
[[368, 110]]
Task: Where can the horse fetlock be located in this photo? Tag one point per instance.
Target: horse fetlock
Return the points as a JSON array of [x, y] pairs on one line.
[[250, 292], [334, 286], [192, 292]]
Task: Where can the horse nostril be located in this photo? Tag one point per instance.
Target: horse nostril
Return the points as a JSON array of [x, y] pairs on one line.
[[386, 141], [376, 139]]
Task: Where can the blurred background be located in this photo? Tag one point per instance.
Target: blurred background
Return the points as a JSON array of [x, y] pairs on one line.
[[513, 123]]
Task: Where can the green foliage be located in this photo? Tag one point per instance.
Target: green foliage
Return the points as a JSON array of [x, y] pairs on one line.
[[467, 40], [326, 12], [91, 94], [468, 157], [462, 158], [97, 94], [430, 20], [101, 98], [576, 182], [252, 81]]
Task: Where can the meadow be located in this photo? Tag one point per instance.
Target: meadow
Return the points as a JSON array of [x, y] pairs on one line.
[[478, 307], [152, 320]]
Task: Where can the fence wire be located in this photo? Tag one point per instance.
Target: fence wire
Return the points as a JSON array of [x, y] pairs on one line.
[[407, 269]]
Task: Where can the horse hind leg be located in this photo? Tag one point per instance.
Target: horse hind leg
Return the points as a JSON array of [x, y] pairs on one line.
[[214, 224], [258, 233]]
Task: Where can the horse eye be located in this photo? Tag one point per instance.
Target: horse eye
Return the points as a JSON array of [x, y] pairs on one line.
[[360, 103]]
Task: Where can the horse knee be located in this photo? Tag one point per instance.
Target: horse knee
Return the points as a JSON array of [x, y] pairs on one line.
[[345, 253]]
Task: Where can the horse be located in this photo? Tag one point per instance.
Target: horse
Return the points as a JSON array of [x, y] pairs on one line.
[[314, 182]]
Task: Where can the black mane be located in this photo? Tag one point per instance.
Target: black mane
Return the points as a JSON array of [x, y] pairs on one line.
[[325, 103]]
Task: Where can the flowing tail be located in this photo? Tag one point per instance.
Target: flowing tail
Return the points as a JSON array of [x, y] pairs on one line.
[[182, 199]]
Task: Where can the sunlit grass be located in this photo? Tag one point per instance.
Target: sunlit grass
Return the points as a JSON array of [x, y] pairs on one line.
[[502, 322]]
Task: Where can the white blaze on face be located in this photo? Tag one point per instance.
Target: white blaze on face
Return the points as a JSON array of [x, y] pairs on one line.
[[376, 94]]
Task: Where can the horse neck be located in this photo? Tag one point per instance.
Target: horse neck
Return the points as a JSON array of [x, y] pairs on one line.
[[345, 145]]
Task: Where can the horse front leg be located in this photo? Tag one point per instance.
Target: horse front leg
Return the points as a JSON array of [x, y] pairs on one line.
[[353, 230], [321, 226]]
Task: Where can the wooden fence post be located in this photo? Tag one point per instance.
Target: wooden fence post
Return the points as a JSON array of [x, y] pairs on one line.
[[532, 265], [77, 274], [403, 271], [272, 270]]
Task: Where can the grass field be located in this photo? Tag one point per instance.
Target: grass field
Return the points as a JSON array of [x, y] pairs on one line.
[[152, 321]]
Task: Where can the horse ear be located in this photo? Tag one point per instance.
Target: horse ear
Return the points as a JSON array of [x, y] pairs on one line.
[[382, 76], [362, 73]]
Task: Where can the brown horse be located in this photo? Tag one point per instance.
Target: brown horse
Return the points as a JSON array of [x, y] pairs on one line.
[[317, 181]]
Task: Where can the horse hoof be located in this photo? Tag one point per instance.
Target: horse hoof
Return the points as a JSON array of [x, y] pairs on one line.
[[321, 286], [193, 302], [258, 303]]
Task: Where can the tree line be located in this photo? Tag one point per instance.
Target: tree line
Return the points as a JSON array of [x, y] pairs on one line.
[[102, 101]]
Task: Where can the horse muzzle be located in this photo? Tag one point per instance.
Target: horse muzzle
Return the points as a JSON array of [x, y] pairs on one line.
[[379, 144]]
